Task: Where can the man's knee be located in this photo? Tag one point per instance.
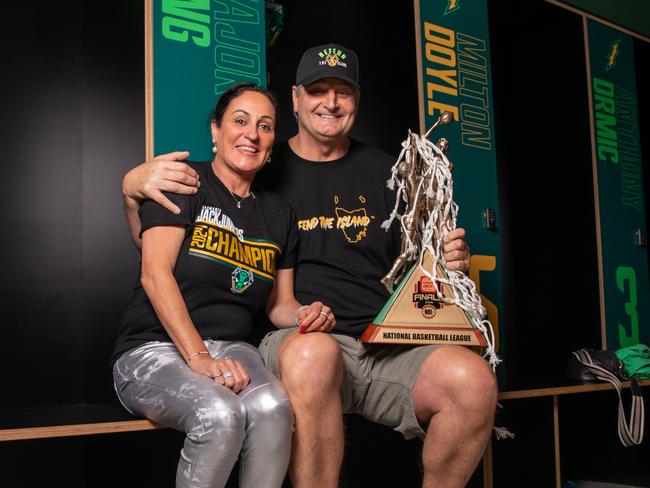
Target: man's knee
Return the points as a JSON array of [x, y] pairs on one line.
[[311, 361], [459, 376]]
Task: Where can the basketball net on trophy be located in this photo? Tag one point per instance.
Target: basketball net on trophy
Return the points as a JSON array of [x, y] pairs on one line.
[[429, 303]]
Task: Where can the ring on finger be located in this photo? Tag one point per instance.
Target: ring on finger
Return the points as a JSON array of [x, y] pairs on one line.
[[227, 374], [324, 315]]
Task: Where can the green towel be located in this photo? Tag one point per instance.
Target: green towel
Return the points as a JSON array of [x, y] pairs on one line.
[[636, 360]]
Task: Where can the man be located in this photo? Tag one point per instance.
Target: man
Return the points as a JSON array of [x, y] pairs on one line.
[[444, 395]]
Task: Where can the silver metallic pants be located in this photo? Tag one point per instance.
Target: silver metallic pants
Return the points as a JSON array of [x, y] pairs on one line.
[[153, 381]]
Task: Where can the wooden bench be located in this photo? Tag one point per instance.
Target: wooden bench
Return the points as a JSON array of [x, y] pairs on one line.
[[68, 420], [76, 420], [81, 420]]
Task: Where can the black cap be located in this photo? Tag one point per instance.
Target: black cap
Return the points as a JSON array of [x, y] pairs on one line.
[[328, 61]]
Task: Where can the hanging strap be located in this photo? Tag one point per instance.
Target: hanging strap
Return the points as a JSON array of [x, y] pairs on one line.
[[630, 433]]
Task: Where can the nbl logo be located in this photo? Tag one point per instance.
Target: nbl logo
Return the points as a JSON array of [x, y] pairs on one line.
[[425, 297], [428, 311]]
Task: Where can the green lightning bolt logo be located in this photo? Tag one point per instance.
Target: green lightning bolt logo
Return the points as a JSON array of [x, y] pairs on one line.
[[452, 6], [613, 54]]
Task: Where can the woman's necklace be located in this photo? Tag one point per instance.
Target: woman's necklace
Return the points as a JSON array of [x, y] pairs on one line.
[[239, 200]]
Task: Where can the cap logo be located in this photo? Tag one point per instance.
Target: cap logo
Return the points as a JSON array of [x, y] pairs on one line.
[[332, 57]]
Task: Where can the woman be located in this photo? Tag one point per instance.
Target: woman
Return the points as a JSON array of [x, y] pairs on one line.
[[180, 359]]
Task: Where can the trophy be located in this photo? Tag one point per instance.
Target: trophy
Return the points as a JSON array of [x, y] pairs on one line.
[[429, 303]]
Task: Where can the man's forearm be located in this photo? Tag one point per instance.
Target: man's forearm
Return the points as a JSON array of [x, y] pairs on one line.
[[149, 180]]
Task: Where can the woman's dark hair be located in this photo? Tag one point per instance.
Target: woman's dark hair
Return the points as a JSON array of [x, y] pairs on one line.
[[233, 92]]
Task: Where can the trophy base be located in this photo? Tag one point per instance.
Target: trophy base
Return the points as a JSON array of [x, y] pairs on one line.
[[414, 314], [382, 334]]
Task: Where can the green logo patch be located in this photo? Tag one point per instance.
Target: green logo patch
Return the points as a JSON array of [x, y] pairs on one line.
[[241, 279]]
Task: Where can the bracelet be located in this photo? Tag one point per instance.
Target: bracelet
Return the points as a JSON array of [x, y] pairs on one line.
[[297, 312], [194, 354]]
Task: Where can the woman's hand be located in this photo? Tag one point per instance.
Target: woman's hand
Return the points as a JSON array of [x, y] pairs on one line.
[[315, 318], [227, 372]]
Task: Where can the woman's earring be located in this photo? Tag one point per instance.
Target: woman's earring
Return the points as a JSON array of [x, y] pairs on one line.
[[214, 148], [268, 160]]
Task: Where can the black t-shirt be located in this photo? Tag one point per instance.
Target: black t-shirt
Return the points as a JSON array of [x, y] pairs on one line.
[[342, 251], [226, 265]]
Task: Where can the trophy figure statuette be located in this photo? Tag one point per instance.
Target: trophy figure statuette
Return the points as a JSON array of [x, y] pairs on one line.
[[429, 303]]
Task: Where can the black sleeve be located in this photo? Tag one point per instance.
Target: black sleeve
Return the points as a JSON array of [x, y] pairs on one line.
[[288, 257], [395, 230], [152, 215]]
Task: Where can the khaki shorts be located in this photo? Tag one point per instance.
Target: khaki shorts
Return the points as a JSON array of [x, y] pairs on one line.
[[377, 382]]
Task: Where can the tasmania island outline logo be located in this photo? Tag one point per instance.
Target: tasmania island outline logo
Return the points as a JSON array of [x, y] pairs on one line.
[[241, 279], [353, 223]]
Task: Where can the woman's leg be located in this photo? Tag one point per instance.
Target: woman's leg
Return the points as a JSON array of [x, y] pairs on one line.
[[154, 381], [269, 422]]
